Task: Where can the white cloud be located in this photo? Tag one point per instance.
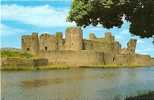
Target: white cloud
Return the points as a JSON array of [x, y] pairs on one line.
[[140, 41], [40, 16], [125, 32], [94, 28], [9, 31], [145, 51]]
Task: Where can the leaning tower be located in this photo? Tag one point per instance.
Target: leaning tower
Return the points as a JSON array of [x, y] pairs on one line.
[[74, 39]]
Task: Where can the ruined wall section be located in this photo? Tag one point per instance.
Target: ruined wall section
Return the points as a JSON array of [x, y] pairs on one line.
[[131, 46], [106, 44], [74, 39]]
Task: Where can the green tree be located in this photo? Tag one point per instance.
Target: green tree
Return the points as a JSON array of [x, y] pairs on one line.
[[110, 13]]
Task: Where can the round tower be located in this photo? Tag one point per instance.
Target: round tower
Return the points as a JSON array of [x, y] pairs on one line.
[[74, 39]]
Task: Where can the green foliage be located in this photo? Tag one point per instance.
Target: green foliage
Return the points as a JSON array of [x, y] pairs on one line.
[[59, 35], [9, 53], [110, 13]]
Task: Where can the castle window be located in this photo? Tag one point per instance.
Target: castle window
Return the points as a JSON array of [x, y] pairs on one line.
[[46, 48], [28, 49]]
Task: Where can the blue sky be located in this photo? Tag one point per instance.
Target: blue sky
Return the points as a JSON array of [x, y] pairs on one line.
[[19, 17]]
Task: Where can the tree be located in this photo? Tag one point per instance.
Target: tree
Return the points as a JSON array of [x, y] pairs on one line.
[[110, 13]]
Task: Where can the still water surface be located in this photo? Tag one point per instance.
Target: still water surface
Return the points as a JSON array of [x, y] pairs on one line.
[[76, 84]]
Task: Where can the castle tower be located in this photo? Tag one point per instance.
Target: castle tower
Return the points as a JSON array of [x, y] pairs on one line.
[[30, 43], [35, 43], [74, 39], [47, 42], [131, 46]]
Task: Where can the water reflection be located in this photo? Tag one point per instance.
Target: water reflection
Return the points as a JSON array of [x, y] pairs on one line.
[[76, 84]]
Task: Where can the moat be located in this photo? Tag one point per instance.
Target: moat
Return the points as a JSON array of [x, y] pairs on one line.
[[76, 84]]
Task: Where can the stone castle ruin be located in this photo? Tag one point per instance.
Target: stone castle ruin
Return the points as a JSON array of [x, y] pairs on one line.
[[74, 50]]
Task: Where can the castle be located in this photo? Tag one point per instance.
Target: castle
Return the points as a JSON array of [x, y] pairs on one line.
[[74, 50]]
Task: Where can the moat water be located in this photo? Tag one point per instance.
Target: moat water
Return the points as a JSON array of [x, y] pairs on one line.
[[76, 84]]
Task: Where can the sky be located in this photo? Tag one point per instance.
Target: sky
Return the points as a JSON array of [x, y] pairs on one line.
[[22, 17]]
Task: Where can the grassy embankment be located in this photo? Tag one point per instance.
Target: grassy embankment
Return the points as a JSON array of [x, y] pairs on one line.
[[113, 66], [33, 68]]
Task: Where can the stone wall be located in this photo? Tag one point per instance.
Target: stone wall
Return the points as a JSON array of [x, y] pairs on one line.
[[79, 58], [23, 62], [16, 62], [134, 59], [40, 62], [142, 59], [123, 59]]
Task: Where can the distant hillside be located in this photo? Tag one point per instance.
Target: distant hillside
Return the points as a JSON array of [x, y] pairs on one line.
[[10, 49]]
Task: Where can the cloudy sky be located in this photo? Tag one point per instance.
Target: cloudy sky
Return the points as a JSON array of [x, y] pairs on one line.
[[19, 17]]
